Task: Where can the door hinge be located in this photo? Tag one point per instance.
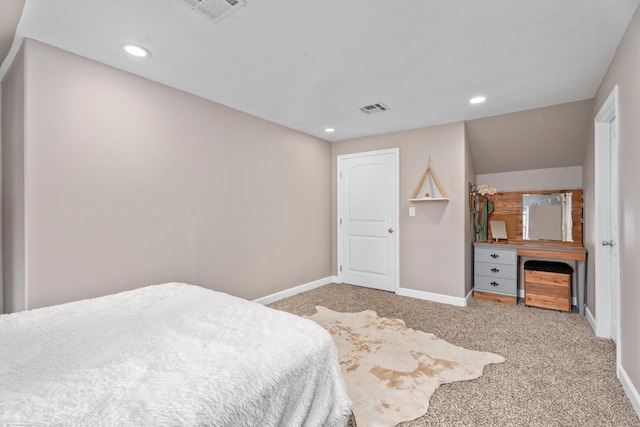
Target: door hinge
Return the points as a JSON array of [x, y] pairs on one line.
[[340, 221], [340, 269], [340, 174]]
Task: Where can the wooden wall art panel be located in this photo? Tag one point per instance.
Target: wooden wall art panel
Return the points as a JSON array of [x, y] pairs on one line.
[[507, 207]]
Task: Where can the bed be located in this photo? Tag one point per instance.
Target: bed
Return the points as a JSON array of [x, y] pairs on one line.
[[170, 354]]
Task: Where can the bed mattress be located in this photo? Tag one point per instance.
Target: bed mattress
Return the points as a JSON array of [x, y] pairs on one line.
[[171, 354]]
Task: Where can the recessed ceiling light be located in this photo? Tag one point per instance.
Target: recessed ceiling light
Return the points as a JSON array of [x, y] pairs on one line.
[[477, 100], [329, 130], [135, 50]]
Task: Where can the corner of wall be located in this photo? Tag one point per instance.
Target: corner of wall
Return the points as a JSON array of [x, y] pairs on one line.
[[2, 309], [12, 131], [469, 236]]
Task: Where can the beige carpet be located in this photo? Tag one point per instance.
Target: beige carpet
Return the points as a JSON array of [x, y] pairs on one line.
[[391, 370], [556, 372]]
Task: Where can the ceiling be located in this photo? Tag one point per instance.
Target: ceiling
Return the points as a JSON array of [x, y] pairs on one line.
[[310, 64]]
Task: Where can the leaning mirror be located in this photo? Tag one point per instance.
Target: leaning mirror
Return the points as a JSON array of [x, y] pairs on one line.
[[547, 217]]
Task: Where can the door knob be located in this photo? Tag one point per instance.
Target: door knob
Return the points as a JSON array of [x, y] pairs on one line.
[[391, 230], [607, 243]]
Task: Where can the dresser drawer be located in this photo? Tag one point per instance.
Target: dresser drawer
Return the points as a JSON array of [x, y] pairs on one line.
[[495, 270], [495, 284], [495, 256]]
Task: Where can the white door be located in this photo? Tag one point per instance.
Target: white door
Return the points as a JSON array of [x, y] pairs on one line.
[[607, 205], [368, 219]]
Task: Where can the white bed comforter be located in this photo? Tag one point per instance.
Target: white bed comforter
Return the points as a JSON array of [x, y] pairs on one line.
[[171, 354]]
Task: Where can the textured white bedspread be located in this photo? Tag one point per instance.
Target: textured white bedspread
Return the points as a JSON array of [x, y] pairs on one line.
[[171, 354]]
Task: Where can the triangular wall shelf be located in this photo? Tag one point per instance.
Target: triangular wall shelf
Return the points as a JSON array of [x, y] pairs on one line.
[[427, 171]]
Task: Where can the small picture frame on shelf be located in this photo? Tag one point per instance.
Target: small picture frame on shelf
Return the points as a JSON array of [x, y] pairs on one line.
[[498, 230]]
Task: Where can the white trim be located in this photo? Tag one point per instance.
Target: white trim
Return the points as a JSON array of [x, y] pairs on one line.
[[294, 291], [339, 159], [369, 153], [630, 390], [608, 112], [590, 318], [397, 184], [429, 296], [468, 297], [627, 385]]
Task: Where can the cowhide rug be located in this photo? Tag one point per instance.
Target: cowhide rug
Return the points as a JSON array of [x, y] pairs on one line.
[[391, 370]]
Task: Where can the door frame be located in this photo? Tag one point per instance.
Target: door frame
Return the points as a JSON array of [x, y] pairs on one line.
[[396, 235], [605, 279]]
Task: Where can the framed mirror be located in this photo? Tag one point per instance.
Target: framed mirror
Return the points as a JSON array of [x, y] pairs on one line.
[[547, 217]]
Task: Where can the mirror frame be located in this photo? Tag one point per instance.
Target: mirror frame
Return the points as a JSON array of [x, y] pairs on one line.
[[538, 199]]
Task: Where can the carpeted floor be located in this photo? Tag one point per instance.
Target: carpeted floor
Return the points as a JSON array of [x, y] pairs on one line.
[[556, 373]]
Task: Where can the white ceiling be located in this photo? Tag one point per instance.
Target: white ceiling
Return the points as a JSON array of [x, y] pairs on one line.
[[310, 64]]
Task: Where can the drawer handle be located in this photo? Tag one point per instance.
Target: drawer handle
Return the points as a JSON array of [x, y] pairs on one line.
[[494, 256], [494, 283], [495, 270]]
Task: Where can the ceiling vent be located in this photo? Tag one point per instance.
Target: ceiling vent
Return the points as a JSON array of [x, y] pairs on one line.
[[214, 10], [374, 108]]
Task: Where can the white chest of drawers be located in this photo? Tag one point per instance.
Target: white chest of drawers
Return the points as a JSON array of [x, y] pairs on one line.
[[495, 274]]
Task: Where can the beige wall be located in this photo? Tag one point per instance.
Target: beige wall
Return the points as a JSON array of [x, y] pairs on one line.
[[129, 182], [553, 136], [1, 271], [13, 234], [624, 71], [566, 178], [433, 243]]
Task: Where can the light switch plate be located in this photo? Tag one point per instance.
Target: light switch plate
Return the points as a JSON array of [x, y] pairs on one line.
[[412, 211]]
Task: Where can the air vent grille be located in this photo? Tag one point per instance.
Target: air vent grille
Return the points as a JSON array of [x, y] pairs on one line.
[[214, 10], [378, 107]]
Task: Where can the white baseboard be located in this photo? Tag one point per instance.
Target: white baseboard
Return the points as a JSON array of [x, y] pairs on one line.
[[630, 390], [627, 385], [445, 299], [468, 297], [295, 290], [590, 319]]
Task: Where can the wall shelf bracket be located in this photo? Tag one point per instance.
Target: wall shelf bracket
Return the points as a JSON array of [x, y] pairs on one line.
[[428, 171]]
